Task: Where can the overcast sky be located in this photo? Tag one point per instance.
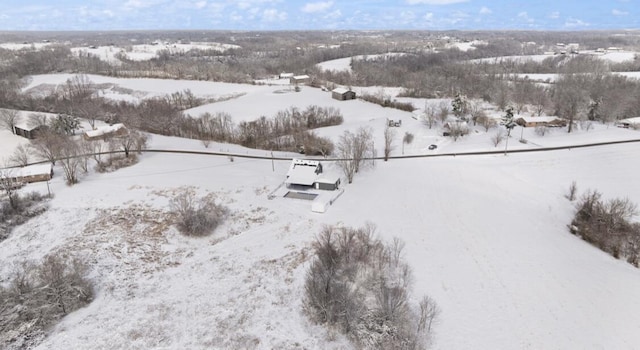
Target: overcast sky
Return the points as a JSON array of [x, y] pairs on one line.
[[329, 14]]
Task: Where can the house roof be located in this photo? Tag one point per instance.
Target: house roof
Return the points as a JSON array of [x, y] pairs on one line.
[[302, 172], [299, 77], [340, 90], [328, 178], [102, 130], [286, 75], [29, 170], [542, 119]]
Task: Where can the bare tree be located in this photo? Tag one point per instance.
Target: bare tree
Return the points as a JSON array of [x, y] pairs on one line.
[[36, 120], [498, 137], [9, 119], [20, 156], [573, 191], [570, 97], [133, 140], [487, 122], [429, 312], [48, 145], [345, 149], [443, 111], [541, 130], [408, 139], [430, 115], [388, 142], [70, 160], [353, 150]]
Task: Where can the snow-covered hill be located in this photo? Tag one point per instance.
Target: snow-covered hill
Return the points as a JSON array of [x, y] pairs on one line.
[[486, 237]]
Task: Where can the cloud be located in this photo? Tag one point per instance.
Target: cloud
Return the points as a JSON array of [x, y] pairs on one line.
[[485, 11], [554, 15], [616, 12], [200, 4], [434, 2], [574, 22], [273, 15], [524, 16], [321, 6]]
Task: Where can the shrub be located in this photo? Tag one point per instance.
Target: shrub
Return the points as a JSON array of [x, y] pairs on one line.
[[606, 224], [37, 296], [18, 210], [196, 217], [360, 286]]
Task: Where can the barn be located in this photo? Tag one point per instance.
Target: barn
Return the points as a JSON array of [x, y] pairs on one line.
[[342, 94]]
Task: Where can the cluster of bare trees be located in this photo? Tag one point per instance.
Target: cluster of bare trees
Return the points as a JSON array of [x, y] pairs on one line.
[[361, 286], [607, 224], [39, 295], [196, 216], [355, 151]]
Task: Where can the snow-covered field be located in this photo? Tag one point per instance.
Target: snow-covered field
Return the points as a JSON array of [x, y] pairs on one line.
[[145, 52], [344, 64], [486, 236], [613, 56]]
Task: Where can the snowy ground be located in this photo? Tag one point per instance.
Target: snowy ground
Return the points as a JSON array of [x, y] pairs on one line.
[[344, 64], [486, 236], [146, 52]]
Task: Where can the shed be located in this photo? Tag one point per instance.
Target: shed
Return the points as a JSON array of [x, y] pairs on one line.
[[104, 132], [284, 75], [28, 131], [299, 79], [342, 94], [327, 182]]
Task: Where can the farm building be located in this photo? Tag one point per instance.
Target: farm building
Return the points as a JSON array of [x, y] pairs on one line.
[[342, 94], [284, 75], [299, 79], [540, 121], [28, 174], [104, 132]]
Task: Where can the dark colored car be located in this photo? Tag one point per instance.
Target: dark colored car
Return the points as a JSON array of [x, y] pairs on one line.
[[432, 147]]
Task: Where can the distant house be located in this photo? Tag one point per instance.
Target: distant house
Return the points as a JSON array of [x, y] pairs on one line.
[[299, 79], [103, 132], [342, 94], [284, 75], [528, 122], [28, 174], [633, 123], [307, 174]]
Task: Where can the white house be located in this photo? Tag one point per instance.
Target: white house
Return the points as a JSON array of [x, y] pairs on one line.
[[308, 174]]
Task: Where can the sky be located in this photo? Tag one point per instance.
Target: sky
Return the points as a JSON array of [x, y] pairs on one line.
[[318, 15]]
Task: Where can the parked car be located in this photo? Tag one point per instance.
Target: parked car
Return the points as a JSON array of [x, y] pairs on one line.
[[432, 147]]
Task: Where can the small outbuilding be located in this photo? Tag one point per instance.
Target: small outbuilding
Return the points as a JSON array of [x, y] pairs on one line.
[[342, 94], [299, 79], [29, 131], [104, 132], [327, 182]]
